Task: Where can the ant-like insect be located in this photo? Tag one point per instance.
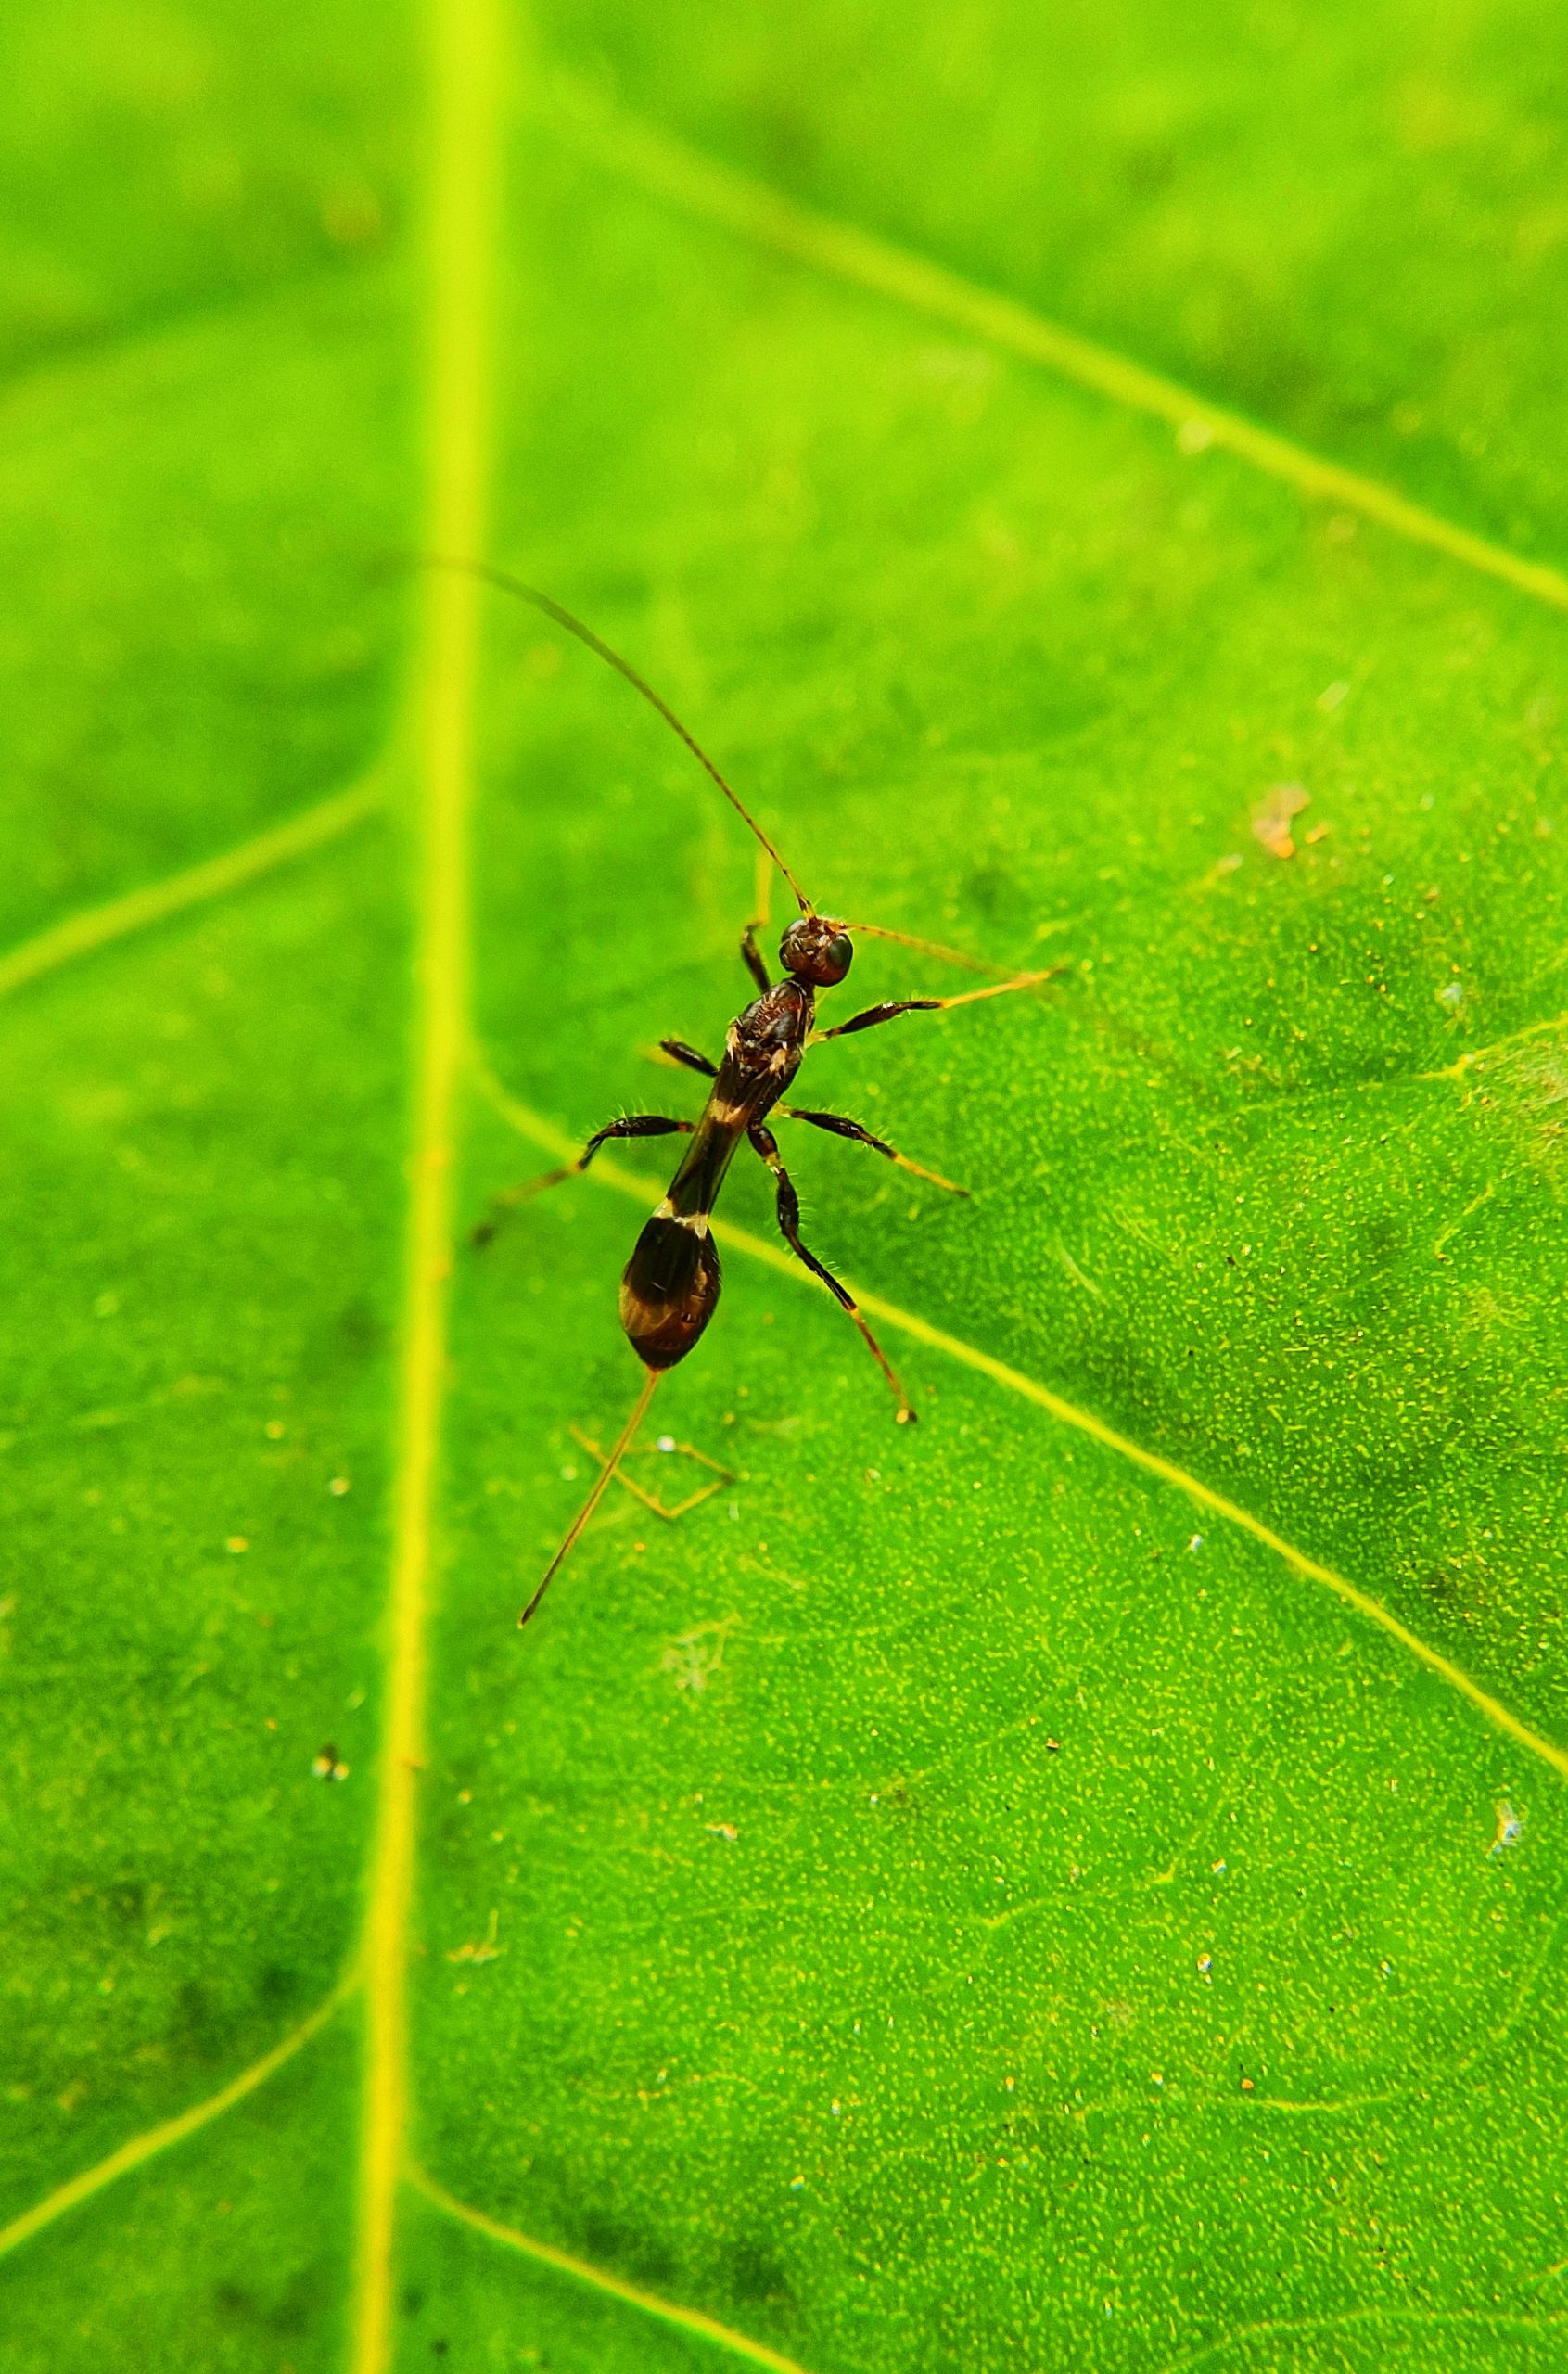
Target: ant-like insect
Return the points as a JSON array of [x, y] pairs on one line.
[[669, 1288]]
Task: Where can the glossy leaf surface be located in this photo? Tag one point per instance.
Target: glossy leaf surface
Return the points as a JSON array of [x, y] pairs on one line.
[[1075, 1882]]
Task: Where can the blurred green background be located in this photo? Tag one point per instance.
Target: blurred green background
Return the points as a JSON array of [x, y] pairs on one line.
[[957, 1900]]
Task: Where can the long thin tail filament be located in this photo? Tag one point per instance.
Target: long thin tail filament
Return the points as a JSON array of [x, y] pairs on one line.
[[602, 1485]]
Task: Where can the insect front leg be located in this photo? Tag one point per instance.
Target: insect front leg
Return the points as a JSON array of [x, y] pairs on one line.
[[634, 1125], [751, 957], [890, 1011], [767, 1145]]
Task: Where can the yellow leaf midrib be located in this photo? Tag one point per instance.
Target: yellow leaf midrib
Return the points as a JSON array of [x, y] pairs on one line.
[[466, 52]]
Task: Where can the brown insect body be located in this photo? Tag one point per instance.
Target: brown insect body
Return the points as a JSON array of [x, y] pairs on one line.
[[669, 1288]]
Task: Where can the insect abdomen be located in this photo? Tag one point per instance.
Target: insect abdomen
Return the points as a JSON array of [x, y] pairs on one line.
[[669, 1290]]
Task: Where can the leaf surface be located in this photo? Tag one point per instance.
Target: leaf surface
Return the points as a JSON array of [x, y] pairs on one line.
[[1073, 1882]]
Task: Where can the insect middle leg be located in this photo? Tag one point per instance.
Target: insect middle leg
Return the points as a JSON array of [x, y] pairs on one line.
[[634, 1125], [767, 1145], [840, 1127]]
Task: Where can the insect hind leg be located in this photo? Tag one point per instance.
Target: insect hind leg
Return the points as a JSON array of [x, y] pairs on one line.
[[767, 1145], [632, 1125]]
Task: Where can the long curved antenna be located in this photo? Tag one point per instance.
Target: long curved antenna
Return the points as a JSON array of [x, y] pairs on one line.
[[601, 1486], [931, 947], [506, 583]]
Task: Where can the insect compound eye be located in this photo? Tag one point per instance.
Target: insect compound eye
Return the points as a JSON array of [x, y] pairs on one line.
[[801, 946], [816, 953]]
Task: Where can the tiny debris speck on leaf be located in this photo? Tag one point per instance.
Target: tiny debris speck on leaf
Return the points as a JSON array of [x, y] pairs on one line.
[[1271, 817], [485, 1950]]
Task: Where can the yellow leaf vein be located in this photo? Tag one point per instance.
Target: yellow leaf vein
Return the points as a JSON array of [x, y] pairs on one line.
[[690, 2320], [640, 152], [169, 2131], [608, 1174], [196, 886]]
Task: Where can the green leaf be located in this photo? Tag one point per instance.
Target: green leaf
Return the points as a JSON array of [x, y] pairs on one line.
[[1074, 1882]]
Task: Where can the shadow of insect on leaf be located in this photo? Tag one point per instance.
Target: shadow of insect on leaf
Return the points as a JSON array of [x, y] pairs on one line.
[[666, 1447]]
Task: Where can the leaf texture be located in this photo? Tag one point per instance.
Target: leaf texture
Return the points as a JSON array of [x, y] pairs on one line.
[[1075, 1882]]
